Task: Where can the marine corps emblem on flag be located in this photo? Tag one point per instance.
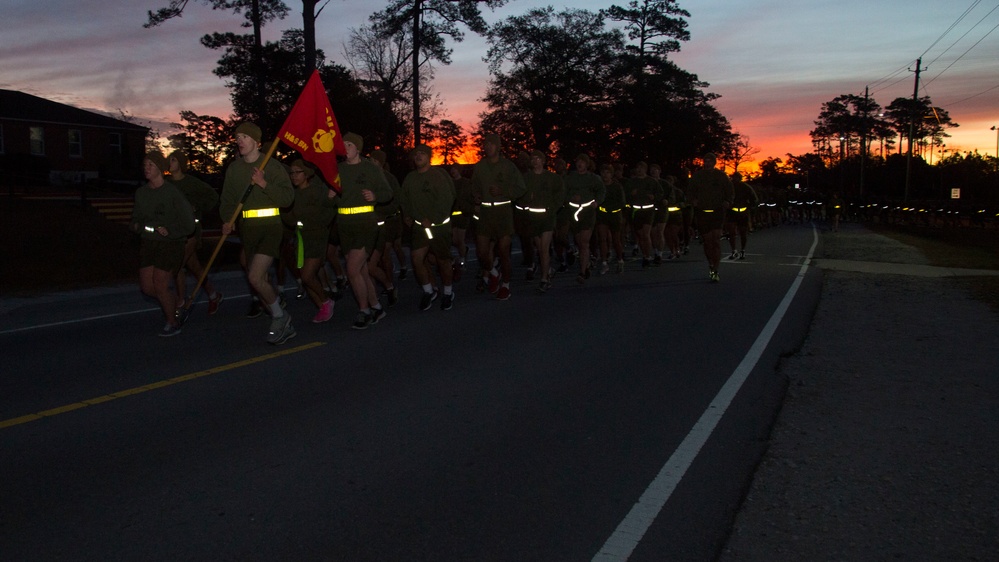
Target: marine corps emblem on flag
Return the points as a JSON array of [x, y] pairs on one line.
[[323, 140], [312, 118]]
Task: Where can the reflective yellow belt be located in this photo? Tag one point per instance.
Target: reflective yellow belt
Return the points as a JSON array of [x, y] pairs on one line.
[[430, 235], [258, 213], [707, 210], [356, 210], [674, 209], [643, 207], [740, 209], [606, 210], [495, 203], [455, 213]]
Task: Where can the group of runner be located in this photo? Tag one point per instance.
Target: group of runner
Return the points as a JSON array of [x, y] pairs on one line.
[[291, 219]]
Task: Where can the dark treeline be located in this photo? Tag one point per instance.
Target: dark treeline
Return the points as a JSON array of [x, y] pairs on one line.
[[563, 82]]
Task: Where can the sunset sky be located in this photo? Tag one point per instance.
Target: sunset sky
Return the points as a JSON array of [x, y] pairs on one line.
[[774, 62]]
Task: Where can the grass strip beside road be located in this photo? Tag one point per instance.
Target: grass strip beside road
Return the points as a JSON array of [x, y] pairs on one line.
[[968, 248], [153, 386]]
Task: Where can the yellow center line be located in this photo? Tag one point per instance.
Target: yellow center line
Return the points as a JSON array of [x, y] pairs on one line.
[[154, 385]]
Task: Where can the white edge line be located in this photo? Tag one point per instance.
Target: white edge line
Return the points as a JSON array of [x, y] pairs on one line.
[[620, 545], [76, 321]]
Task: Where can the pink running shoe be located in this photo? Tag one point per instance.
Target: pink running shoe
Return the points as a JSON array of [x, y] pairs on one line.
[[325, 312]]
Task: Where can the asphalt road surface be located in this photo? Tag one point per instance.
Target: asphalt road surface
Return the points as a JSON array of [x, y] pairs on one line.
[[619, 420]]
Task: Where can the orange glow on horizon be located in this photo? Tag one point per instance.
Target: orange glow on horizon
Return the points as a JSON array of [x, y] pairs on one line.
[[469, 155]]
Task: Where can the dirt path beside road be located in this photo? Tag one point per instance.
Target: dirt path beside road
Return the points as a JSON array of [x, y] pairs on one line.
[[886, 445]]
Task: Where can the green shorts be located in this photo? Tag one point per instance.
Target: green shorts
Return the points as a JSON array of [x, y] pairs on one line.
[[334, 234], [461, 220], [439, 245], [495, 222], [392, 227], [261, 236], [314, 243], [739, 218], [166, 255], [642, 217], [612, 220], [358, 231], [583, 219], [710, 220]]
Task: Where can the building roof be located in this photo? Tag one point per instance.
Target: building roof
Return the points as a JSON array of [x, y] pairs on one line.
[[19, 106]]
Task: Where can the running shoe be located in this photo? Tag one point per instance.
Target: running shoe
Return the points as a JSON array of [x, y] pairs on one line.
[[529, 276], [391, 295], [301, 290], [620, 266], [213, 303], [742, 255], [733, 255], [604, 268], [325, 312], [447, 302], [377, 314], [256, 308], [714, 277], [494, 282], [544, 286], [658, 260], [503, 293], [427, 300], [169, 330], [281, 330], [361, 321]]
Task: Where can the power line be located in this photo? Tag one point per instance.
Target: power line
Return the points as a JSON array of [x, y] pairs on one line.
[[983, 92], [952, 26], [969, 48], [963, 36]]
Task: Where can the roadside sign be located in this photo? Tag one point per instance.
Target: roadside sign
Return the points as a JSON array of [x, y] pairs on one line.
[[955, 193]]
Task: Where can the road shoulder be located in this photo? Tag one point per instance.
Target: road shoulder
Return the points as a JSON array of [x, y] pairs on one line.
[[884, 447]]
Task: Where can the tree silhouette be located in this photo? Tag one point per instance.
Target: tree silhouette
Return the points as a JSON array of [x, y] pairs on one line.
[[430, 21]]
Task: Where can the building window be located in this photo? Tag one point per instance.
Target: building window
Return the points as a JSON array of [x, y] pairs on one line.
[[37, 141], [75, 143], [115, 143]]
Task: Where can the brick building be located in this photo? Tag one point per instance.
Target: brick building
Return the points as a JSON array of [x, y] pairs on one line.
[[45, 142]]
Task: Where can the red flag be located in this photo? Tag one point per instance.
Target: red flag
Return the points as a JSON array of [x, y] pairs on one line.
[[312, 130]]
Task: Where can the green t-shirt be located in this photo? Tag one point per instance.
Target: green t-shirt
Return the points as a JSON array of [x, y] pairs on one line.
[[428, 195], [278, 193], [162, 206]]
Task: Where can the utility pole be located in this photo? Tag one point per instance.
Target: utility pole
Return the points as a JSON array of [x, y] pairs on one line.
[[912, 130], [417, 30], [863, 141]]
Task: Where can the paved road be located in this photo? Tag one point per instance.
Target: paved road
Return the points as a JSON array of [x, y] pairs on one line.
[[548, 427]]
